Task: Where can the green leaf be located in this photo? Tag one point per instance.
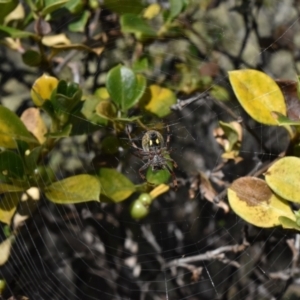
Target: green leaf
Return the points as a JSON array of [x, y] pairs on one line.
[[66, 97], [158, 100], [75, 189], [7, 188], [32, 58], [124, 87], [124, 6], [258, 94], [65, 132], [283, 178], [219, 93], [11, 164], [110, 145], [8, 206], [7, 7], [157, 177], [131, 23], [89, 110], [141, 65], [56, 49], [106, 110], [283, 120], [53, 5], [80, 23], [176, 7], [75, 6], [12, 129], [288, 223], [6, 31], [115, 186], [230, 133]]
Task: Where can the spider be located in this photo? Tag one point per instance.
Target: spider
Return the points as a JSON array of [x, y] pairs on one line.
[[155, 153]]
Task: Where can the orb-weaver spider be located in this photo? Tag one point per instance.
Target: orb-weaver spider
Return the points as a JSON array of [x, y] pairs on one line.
[[155, 153]]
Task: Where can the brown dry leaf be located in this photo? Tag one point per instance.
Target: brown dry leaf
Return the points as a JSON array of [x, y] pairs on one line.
[[209, 193], [289, 90], [210, 69], [34, 123]]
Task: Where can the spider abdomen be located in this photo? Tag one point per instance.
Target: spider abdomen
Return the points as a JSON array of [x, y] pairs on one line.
[[152, 140]]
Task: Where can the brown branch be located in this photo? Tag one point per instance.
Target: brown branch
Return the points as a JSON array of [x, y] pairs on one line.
[[217, 254]]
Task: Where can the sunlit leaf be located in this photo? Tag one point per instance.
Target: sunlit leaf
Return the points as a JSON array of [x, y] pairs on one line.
[[5, 248], [53, 40], [253, 201], [8, 206], [43, 88], [75, 189], [258, 94], [283, 178], [12, 129], [151, 11], [158, 100], [124, 87], [115, 185], [6, 8]]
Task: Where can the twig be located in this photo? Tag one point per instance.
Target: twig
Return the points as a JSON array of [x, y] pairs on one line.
[[217, 254], [182, 103]]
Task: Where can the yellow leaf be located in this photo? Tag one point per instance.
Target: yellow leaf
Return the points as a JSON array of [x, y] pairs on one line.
[[52, 40], [158, 100], [258, 94], [151, 11], [253, 201], [283, 178], [8, 206], [42, 89], [5, 247]]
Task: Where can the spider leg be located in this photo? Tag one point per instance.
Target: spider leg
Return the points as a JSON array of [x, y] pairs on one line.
[[168, 137], [172, 161], [144, 167], [173, 177], [130, 139]]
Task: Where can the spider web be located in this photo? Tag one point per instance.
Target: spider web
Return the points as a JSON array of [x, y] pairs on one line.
[[185, 248]]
